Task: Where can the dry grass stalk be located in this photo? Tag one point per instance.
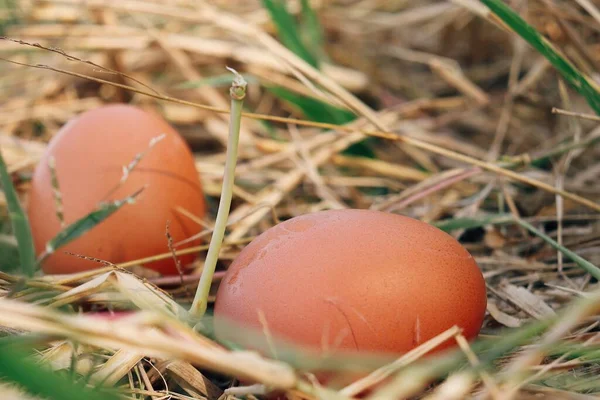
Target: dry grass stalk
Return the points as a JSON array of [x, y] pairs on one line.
[[382, 134], [451, 109], [145, 333], [116, 367], [381, 374]]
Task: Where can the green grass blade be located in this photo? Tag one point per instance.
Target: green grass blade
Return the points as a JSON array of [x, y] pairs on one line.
[[580, 261], [318, 111], [429, 369], [19, 221], [287, 30], [37, 380], [9, 254], [311, 30], [489, 350], [81, 226], [10, 6], [314, 109], [453, 224], [570, 73], [470, 223], [544, 158], [306, 40]]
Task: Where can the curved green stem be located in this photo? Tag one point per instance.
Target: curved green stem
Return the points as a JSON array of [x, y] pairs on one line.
[[237, 93]]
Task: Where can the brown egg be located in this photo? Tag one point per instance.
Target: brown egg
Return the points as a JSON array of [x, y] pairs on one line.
[[90, 153], [354, 281]]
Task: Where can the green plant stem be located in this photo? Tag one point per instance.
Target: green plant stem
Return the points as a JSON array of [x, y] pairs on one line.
[[237, 93], [580, 261], [20, 223], [525, 160]]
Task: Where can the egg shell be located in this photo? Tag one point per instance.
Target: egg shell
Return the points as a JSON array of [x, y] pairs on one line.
[[90, 153], [352, 281]]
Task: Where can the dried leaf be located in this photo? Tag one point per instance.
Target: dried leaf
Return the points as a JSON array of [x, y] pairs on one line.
[[190, 378], [527, 301], [502, 317]]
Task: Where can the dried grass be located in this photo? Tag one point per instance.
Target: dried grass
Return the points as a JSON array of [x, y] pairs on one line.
[[459, 108]]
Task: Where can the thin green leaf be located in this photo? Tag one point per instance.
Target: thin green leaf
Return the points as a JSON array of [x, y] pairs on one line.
[[10, 8], [545, 157], [86, 223], [311, 50], [288, 31], [583, 84], [9, 254], [314, 109], [19, 221], [453, 224], [470, 223], [580, 261], [571, 350], [488, 351], [16, 367], [319, 111], [311, 30]]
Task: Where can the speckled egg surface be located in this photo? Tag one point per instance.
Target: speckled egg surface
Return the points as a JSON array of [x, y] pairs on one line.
[[90, 153], [353, 280]]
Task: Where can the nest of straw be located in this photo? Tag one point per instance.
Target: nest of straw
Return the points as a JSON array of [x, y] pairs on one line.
[[457, 110]]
